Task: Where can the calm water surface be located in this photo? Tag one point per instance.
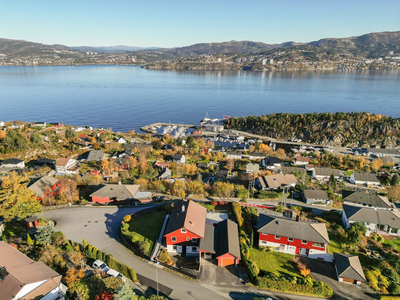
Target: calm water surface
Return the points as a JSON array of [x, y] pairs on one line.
[[127, 97]]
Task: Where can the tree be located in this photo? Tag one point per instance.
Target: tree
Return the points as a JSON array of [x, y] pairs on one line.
[[58, 238], [69, 192], [395, 180], [16, 200], [230, 164], [105, 296], [143, 182], [178, 188], [73, 276], [195, 187], [376, 164], [356, 231], [124, 293], [223, 189], [69, 134], [29, 240], [130, 162], [44, 234]]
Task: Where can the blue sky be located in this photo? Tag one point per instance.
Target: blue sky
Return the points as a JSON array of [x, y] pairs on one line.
[[180, 23]]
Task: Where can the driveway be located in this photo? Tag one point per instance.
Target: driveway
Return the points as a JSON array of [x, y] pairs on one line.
[[212, 274], [324, 271]]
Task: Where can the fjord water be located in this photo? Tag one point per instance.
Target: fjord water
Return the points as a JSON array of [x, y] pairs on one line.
[[128, 97]]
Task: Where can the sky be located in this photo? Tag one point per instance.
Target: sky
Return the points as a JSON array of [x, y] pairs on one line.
[[171, 23]]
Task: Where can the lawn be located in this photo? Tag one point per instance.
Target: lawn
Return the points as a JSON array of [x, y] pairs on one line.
[[394, 244], [145, 227], [348, 173], [334, 245], [274, 262]]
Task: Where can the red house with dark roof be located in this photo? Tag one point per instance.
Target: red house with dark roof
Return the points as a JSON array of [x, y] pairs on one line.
[[294, 236]]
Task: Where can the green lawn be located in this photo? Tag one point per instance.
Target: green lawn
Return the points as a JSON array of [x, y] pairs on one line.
[[348, 173], [146, 227], [394, 244], [274, 262], [334, 245]]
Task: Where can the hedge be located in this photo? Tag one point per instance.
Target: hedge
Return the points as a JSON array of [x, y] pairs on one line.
[[321, 289]]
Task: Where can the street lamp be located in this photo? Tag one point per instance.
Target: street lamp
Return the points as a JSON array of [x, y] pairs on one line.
[[157, 263]]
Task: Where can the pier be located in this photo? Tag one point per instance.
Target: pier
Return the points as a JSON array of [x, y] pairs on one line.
[[147, 127]]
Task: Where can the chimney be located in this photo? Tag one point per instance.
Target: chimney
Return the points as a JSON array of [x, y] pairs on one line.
[[3, 273]]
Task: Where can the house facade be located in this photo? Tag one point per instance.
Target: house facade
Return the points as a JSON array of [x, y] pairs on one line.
[[324, 174], [364, 179], [23, 278], [316, 196], [382, 221], [294, 237], [44, 185], [185, 228], [67, 166], [13, 163], [301, 161], [234, 155], [114, 193], [179, 158]]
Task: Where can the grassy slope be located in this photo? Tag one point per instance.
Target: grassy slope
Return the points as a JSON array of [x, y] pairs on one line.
[[274, 262]]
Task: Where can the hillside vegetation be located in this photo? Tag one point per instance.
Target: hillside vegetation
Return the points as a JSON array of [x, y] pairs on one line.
[[341, 129]]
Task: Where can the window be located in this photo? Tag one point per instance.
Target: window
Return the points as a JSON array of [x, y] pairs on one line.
[[304, 242], [187, 239], [173, 238], [175, 248], [183, 230], [278, 237], [194, 249], [194, 240], [290, 239]]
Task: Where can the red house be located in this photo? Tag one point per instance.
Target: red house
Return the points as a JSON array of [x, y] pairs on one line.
[[294, 236], [185, 228], [221, 242], [45, 185], [32, 222], [115, 192], [187, 233]]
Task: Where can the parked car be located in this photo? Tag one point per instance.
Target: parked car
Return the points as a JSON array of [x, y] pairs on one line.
[[115, 273], [98, 264]]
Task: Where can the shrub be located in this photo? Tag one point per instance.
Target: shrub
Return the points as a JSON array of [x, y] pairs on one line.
[[125, 226], [127, 218], [144, 246], [165, 258], [280, 208]]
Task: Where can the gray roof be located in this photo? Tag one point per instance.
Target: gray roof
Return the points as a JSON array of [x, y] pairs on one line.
[[165, 173], [270, 161], [143, 195], [177, 156], [316, 194], [254, 167], [359, 176], [383, 151], [95, 155], [119, 192], [362, 197], [371, 215], [326, 172], [348, 266], [221, 239], [39, 187], [303, 230]]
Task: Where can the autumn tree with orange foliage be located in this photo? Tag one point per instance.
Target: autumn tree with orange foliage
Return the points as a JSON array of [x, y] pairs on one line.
[[73, 276], [376, 164]]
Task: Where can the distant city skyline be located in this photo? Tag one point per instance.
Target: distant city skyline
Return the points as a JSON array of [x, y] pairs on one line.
[[181, 23]]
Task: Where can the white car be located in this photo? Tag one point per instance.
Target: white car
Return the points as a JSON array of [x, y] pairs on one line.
[[98, 264], [115, 273]]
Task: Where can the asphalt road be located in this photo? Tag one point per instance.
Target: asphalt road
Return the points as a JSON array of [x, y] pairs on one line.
[[100, 225]]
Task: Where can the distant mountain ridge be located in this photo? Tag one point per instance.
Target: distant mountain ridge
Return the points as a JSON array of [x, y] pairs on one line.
[[368, 45]]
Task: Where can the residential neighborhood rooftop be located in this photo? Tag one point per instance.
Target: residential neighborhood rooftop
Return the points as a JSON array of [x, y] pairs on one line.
[[348, 266]]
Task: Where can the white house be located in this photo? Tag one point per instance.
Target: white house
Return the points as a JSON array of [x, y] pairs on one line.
[[301, 161], [121, 140], [376, 220], [67, 166], [364, 178], [13, 163], [23, 278], [179, 158], [325, 173], [271, 163], [234, 155]]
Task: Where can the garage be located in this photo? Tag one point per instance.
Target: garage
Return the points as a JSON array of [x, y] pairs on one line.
[[226, 261], [348, 268]]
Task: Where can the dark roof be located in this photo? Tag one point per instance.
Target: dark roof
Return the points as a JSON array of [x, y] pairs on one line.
[[188, 215], [270, 161], [303, 230], [202, 165], [12, 161], [362, 197], [95, 155], [177, 156], [371, 215], [207, 244], [45, 161], [348, 266], [221, 239], [227, 238], [222, 173], [315, 194], [117, 191], [22, 271]]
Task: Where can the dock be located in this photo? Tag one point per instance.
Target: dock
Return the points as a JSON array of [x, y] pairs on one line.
[[147, 127]]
